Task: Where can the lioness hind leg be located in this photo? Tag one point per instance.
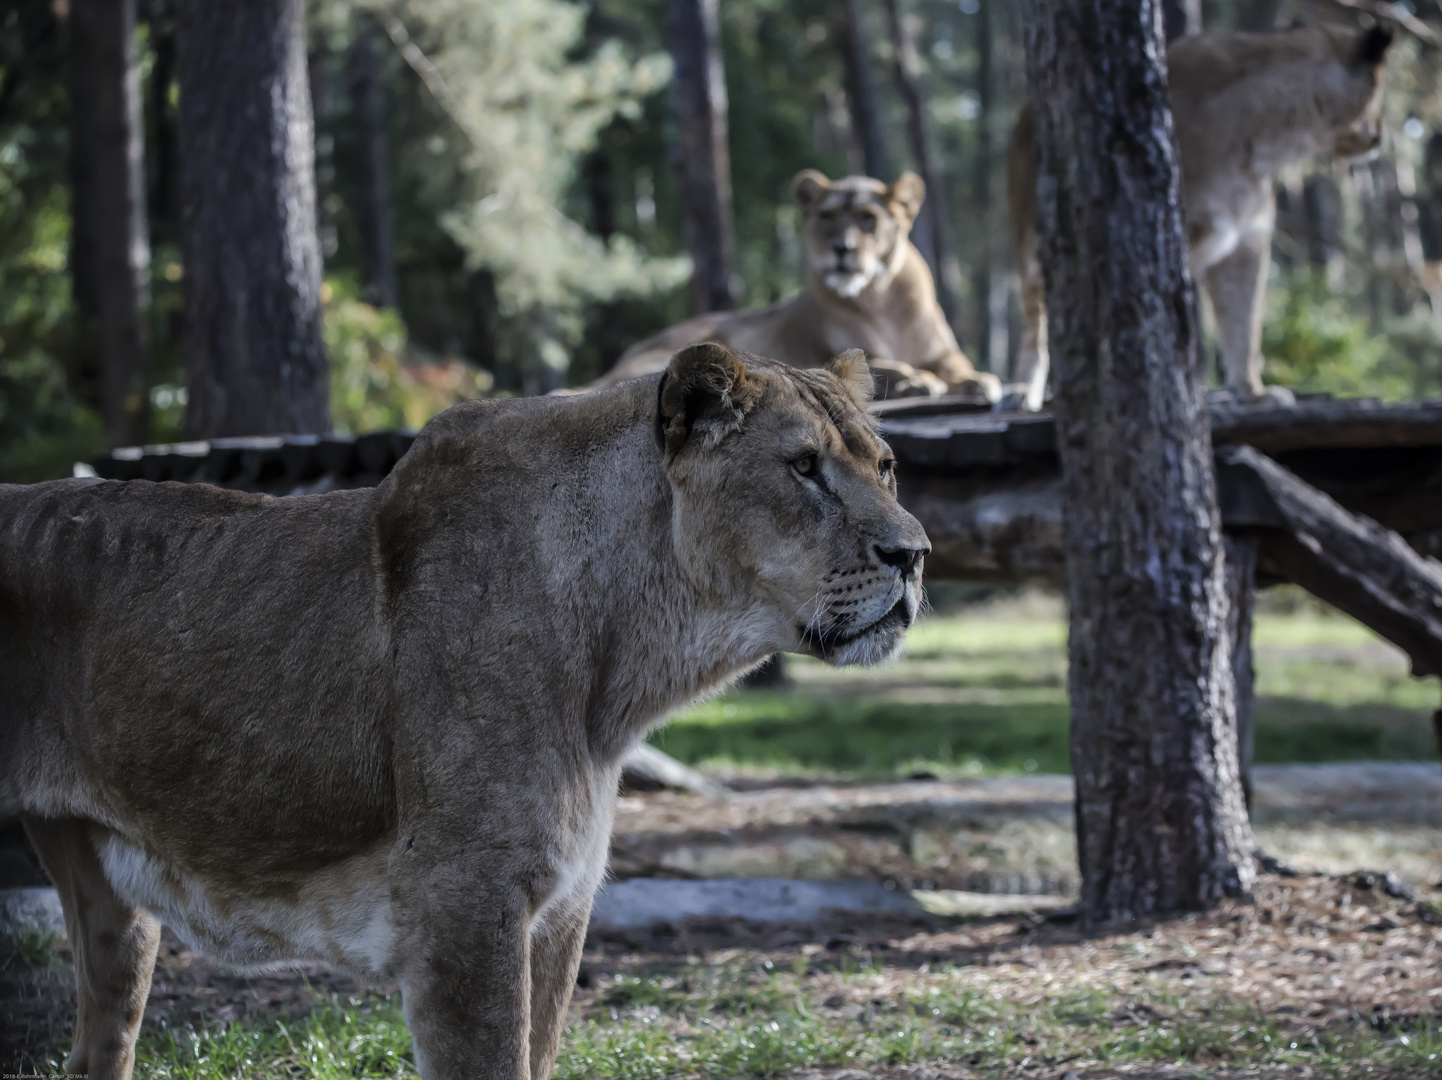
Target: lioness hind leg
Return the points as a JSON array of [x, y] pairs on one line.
[[1237, 286], [1027, 388], [114, 946], [555, 958]]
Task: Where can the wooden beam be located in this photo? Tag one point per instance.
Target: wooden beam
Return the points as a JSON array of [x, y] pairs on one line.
[[1350, 561]]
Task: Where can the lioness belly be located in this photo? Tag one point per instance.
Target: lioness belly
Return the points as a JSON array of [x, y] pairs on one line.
[[340, 914]]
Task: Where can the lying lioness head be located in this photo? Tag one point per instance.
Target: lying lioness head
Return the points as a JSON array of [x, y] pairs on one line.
[[822, 538], [855, 226], [383, 728]]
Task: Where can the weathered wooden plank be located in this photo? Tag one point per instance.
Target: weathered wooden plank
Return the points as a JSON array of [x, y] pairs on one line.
[[1350, 561]]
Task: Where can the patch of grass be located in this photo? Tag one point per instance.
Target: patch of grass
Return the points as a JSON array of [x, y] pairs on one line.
[[746, 1022], [981, 692]]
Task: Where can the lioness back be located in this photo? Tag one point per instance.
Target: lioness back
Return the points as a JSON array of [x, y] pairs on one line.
[[115, 586]]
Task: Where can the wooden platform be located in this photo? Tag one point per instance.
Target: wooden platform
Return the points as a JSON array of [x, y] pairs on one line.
[[986, 485]]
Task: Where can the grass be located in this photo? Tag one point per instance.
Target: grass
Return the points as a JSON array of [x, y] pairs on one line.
[[985, 691], [750, 1019]]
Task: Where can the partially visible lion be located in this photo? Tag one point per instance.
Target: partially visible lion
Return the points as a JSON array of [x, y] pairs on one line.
[[383, 728], [868, 288], [1245, 106]]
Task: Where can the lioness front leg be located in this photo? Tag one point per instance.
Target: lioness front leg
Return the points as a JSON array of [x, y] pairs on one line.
[[555, 958], [465, 979], [1237, 286], [114, 946]]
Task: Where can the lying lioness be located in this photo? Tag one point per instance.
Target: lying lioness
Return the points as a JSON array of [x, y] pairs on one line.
[[1245, 106], [868, 288], [383, 728]]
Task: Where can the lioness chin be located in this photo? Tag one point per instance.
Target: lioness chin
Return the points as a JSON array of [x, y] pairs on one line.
[[384, 728]]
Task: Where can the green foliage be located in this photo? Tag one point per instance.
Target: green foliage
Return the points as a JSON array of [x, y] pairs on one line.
[[981, 693], [1314, 343], [745, 1022], [372, 384]]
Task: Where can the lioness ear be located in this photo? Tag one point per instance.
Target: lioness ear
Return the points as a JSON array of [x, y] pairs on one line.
[[855, 374], [907, 194], [809, 188], [1372, 45], [706, 390]]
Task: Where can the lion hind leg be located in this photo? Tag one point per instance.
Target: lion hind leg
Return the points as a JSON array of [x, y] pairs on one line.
[[114, 946], [1237, 286], [555, 958], [1027, 388]]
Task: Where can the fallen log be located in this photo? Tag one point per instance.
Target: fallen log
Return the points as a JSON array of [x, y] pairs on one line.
[[1348, 560]]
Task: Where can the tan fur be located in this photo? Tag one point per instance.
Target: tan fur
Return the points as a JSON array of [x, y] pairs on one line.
[[384, 728], [1245, 106], [869, 289]]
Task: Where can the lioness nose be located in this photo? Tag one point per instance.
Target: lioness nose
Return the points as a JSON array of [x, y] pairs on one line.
[[905, 559]]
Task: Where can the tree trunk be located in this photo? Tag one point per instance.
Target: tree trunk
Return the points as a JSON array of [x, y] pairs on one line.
[[83, 259], [1181, 17], [929, 229], [861, 93], [376, 214], [1161, 821], [990, 300], [255, 360], [112, 238], [163, 168], [700, 82], [1241, 556]]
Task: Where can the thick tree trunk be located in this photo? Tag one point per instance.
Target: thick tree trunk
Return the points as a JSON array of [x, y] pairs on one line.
[[1241, 556], [83, 259], [376, 213], [929, 229], [861, 93], [1161, 821], [695, 38], [255, 361], [112, 239]]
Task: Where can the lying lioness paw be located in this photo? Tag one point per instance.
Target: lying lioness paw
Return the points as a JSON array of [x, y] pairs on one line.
[[868, 288], [383, 728]]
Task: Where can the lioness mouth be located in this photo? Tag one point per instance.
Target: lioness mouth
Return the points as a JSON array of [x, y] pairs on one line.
[[826, 641]]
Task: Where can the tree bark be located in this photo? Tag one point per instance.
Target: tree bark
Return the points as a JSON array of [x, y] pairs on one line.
[[700, 83], [112, 239], [255, 360], [929, 229], [83, 258], [1241, 556], [1161, 821], [861, 93], [376, 210]]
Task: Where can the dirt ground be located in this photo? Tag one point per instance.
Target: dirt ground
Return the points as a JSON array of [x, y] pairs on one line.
[[1320, 947]]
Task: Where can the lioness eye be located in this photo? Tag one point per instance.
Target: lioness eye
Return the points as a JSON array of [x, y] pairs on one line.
[[886, 468], [867, 222], [805, 465]]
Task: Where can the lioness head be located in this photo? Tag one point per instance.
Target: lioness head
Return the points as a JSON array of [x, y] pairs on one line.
[[786, 496], [855, 226], [1361, 55]]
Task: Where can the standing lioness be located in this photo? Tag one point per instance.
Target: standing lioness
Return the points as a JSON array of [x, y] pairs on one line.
[[1244, 106], [384, 728]]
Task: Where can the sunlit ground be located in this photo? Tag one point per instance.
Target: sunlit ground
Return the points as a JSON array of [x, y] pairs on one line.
[[985, 691]]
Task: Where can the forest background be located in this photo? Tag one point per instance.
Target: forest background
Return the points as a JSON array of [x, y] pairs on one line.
[[520, 164]]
